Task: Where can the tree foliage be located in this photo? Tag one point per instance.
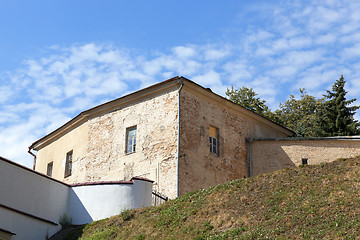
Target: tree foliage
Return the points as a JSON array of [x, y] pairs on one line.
[[246, 97], [300, 115], [336, 117], [331, 115]]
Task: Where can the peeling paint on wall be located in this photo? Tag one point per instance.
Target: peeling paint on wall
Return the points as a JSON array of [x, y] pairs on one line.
[[200, 168], [156, 121]]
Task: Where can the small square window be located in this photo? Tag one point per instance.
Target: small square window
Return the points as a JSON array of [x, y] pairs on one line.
[[131, 139], [68, 165], [304, 161], [214, 140], [49, 169]]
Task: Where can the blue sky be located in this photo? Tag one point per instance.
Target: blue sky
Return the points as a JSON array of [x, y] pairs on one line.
[[58, 58]]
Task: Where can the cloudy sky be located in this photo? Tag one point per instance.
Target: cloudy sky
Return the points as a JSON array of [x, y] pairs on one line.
[[61, 57]]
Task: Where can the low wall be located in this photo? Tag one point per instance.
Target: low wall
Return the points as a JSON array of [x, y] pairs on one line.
[[31, 203], [272, 155], [94, 201]]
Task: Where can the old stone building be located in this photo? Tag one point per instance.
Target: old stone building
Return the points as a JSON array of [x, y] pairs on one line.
[[176, 133], [175, 136]]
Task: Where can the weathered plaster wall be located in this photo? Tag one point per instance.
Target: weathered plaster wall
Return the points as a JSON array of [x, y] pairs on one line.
[[156, 147], [198, 167], [56, 152], [99, 144], [268, 156]]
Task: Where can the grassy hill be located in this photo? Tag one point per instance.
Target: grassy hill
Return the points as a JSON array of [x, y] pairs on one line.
[[307, 202]]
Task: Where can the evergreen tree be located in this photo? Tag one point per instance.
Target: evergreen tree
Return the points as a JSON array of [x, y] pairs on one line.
[[336, 117]]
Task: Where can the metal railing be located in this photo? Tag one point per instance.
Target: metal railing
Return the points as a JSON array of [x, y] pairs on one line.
[[158, 198]]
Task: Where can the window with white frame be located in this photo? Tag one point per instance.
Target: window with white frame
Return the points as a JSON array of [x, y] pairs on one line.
[[130, 139], [214, 140], [68, 165]]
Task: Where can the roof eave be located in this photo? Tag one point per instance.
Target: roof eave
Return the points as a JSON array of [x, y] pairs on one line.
[[245, 111], [116, 103]]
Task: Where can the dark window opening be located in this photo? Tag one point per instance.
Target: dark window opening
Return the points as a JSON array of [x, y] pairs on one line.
[[49, 169], [68, 165]]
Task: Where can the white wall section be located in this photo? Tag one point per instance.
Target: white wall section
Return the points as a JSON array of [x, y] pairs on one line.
[[31, 203], [97, 201]]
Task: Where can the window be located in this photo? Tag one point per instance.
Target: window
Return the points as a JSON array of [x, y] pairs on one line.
[[68, 166], [49, 169], [213, 138], [130, 139], [304, 161]]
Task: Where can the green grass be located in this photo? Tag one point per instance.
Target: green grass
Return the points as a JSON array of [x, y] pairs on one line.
[[308, 202]]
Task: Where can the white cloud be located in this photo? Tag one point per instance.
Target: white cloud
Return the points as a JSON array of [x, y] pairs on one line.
[[184, 52], [7, 116], [237, 71], [284, 71], [350, 38], [280, 44], [314, 78], [325, 39], [301, 58], [300, 42], [210, 78], [5, 93], [352, 51], [260, 36], [353, 87], [215, 54]]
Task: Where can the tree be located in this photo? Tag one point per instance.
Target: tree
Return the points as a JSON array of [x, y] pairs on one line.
[[307, 116], [246, 97], [300, 115], [336, 116]]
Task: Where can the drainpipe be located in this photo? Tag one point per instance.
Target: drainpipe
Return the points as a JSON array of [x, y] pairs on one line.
[[250, 170], [32, 154], [178, 140]]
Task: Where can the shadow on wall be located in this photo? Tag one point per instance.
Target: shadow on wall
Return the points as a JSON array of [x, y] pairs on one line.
[[267, 158], [34, 204], [271, 155], [77, 210]]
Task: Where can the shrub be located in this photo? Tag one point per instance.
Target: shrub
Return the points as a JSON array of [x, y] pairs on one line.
[[65, 220]]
